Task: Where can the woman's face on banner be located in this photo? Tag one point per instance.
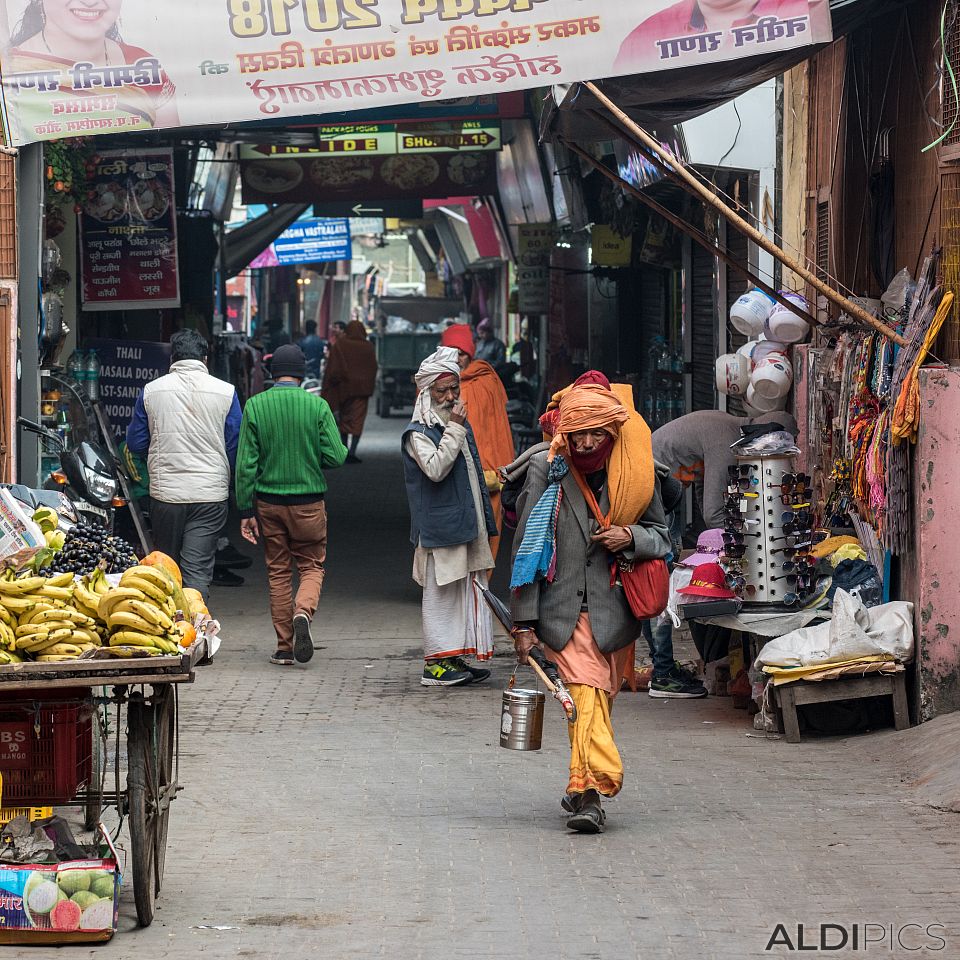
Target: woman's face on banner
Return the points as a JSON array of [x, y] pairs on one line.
[[82, 19]]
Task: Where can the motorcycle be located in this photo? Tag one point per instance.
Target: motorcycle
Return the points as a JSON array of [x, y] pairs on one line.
[[86, 478]]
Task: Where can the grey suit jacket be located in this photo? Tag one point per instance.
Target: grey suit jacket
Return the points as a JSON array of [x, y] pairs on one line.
[[583, 569]]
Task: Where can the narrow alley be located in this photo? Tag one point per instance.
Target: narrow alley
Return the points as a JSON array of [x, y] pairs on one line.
[[342, 810]]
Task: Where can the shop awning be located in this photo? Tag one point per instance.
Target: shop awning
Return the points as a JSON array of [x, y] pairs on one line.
[[672, 96], [246, 243]]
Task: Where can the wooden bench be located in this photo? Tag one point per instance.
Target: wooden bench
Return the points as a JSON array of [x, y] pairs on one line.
[[792, 695]]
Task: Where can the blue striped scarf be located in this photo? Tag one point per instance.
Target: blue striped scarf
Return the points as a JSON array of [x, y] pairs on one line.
[[536, 559]]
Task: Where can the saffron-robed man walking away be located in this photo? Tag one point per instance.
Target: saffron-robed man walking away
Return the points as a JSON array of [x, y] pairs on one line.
[[187, 424], [287, 439], [349, 382], [592, 497], [451, 521], [485, 398]]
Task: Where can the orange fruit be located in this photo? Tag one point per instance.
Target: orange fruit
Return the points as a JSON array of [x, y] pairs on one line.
[[186, 631]]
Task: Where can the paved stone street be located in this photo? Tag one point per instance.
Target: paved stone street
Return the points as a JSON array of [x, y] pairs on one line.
[[344, 811]]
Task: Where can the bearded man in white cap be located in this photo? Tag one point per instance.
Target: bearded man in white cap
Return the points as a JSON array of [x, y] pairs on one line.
[[451, 521]]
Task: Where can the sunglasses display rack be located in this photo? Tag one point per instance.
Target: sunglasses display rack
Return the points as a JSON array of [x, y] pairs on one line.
[[769, 514]]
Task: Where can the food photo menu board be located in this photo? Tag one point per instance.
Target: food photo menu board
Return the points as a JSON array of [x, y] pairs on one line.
[[128, 233]]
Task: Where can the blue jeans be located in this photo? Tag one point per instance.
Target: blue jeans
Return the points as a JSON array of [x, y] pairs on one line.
[[659, 637]]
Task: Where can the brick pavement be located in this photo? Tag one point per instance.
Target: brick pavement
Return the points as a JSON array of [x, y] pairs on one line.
[[343, 811]]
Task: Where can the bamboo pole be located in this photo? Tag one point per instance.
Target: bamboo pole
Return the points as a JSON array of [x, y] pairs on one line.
[[691, 232], [644, 138]]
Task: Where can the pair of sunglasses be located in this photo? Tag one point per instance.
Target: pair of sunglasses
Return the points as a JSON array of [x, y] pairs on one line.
[[737, 537], [808, 538], [792, 551], [794, 480], [736, 524], [795, 499], [741, 483], [795, 578], [800, 565], [740, 470], [740, 585]]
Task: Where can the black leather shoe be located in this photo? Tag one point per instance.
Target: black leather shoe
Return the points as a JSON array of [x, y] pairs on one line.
[[590, 817], [225, 578], [232, 559]]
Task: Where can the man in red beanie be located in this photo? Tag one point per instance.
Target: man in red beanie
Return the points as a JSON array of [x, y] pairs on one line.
[[482, 392]]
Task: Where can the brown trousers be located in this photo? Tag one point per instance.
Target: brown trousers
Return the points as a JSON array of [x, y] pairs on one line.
[[293, 534]]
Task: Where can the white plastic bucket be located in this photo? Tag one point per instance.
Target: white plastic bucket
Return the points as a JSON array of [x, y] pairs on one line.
[[757, 405], [750, 311], [733, 374], [783, 324], [767, 347], [772, 377]]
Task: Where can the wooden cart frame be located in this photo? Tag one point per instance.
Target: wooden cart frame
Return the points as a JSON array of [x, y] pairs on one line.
[[147, 689]]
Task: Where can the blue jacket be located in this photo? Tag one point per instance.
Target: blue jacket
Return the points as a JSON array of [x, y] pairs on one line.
[[443, 514]]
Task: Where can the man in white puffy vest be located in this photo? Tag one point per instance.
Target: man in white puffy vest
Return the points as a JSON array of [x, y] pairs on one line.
[[188, 425]]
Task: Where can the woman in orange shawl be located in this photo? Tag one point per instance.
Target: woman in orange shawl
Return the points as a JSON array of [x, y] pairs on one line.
[[349, 382], [482, 392]]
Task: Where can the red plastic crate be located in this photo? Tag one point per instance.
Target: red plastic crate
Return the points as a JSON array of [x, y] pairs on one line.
[[45, 749]]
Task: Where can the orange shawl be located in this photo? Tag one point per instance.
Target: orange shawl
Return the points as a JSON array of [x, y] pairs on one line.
[[486, 401]]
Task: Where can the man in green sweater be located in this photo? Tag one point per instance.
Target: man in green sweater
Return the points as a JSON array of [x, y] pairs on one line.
[[287, 438]]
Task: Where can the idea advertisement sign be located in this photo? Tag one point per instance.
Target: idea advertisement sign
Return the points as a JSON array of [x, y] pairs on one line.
[[124, 66]]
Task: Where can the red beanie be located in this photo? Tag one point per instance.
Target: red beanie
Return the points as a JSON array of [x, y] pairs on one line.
[[459, 336]]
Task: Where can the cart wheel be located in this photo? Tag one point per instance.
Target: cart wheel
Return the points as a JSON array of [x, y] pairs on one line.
[[94, 801], [149, 772]]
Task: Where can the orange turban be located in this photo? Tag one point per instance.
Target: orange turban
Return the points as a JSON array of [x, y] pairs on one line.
[[630, 471], [587, 407]]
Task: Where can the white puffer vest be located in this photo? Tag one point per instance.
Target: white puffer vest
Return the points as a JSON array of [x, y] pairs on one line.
[[187, 410]]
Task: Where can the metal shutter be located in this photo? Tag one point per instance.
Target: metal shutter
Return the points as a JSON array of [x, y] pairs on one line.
[[703, 329]]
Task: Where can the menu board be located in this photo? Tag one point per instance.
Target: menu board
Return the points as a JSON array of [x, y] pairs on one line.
[[126, 367], [128, 232], [306, 179]]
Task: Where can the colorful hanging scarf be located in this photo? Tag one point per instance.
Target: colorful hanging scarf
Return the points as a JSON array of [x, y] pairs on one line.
[[537, 557]]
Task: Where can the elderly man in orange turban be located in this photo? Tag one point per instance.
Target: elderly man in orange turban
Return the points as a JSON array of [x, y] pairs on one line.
[[590, 500], [482, 393]]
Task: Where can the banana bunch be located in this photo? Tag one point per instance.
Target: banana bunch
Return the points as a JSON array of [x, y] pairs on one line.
[[88, 591], [139, 614], [41, 618]]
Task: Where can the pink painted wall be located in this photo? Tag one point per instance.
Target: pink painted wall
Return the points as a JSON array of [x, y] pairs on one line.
[[931, 575]]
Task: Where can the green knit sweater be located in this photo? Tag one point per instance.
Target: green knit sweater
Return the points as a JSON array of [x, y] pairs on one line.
[[286, 439]]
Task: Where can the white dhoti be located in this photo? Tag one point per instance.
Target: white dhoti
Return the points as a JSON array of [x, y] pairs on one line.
[[456, 620]]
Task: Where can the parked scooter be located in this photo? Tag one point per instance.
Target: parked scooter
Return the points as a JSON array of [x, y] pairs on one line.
[[86, 476]]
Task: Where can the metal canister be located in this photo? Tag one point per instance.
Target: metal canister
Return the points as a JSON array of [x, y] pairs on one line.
[[521, 719]]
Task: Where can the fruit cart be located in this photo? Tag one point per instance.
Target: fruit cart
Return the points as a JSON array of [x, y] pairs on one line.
[[64, 710]]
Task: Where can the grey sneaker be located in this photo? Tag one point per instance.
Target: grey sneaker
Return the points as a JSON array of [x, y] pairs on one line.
[[444, 673], [283, 658], [302, 640]]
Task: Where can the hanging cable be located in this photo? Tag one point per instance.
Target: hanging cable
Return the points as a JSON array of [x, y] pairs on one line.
[[953, 81]]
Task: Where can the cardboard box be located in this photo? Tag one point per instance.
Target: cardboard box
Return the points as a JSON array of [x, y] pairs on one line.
[[72, 902]]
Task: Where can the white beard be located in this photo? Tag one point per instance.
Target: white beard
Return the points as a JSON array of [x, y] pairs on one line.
[[441, 413]]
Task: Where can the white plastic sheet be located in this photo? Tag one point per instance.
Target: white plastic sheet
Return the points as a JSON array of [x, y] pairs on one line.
[[855, 631]]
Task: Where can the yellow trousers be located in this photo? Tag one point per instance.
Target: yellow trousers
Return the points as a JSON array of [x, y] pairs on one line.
[[595, 762]]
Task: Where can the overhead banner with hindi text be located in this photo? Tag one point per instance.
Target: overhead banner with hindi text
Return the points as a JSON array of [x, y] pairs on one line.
[[76, 69]]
